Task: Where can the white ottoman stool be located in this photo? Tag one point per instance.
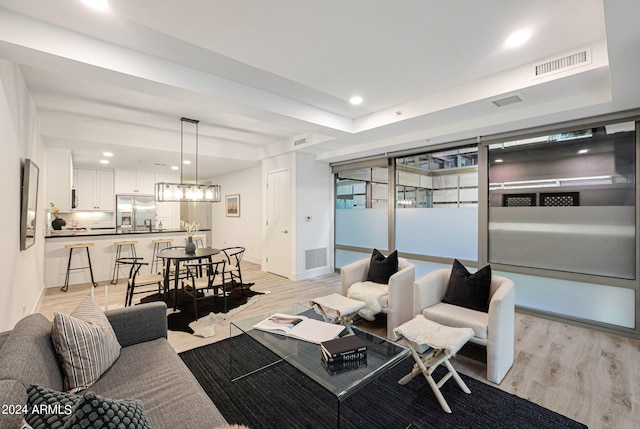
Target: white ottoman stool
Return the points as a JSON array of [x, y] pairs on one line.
[[336, 308], [444, 342]]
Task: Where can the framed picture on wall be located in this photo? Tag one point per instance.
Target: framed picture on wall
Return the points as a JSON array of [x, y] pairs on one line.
[[29, 204], [232, 208]]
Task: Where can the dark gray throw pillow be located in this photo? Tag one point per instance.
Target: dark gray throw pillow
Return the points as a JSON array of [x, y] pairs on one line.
[[381, 268], [469, 290], [50, 409], [93, 411]]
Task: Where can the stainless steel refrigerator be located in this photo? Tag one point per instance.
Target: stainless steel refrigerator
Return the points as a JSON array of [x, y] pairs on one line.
[[135, 212]]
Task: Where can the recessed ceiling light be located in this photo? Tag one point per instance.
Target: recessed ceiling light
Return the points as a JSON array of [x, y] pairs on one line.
[[583, 151], [356, 100], [186, 162], [104, 161], [499, 160], [99, 5], [175, 167], [518, 38], [107, 154]]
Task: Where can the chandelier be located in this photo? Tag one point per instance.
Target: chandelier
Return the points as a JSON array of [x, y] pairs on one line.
[[187, 192]]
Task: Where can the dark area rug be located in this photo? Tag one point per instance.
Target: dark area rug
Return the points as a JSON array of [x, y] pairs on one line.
[[179, 321], [282, 397]]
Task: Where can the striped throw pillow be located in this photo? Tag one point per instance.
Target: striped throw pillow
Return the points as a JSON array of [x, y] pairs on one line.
[[85, 343]]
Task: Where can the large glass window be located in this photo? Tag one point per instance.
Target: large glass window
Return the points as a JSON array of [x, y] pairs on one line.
[[565, 202], [362, 201], [437, 204]]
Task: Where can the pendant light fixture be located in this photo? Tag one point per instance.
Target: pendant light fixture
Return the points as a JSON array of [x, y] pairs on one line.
[[187, 192]]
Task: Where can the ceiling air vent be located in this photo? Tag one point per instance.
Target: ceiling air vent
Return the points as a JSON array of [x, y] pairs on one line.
[[566, 62], [300, 141], [507, 100]]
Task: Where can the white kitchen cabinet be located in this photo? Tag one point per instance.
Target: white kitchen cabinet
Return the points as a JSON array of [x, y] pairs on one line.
[[167, 212], [94, 190], [59, 178], [134, 182]]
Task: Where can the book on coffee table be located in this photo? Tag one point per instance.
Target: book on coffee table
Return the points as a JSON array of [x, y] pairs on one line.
[[300, 327], [349, 347], [334, 368]]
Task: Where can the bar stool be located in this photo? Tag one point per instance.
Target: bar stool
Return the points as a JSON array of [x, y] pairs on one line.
[[69, 269], [198, 240], [158, 245], [116, 263]]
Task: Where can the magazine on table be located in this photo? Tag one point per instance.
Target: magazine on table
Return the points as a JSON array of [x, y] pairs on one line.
[[300, 327]]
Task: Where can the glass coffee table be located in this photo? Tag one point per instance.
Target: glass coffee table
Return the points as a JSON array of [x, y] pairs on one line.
[[382, 355]]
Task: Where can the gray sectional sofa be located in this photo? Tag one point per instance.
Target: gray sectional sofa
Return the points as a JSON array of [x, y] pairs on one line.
[[148, 369]]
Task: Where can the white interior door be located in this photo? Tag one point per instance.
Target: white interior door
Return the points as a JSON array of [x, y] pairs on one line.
[[278, 224]]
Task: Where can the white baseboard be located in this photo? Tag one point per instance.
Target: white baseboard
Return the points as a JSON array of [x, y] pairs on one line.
[[309, 274]]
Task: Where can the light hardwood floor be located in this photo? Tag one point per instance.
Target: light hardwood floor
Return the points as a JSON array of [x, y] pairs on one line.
[[590, 376]]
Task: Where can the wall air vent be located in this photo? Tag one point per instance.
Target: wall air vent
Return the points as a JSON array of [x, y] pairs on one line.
[[566, 62], [300, 141], [315, 258], [507, 100]]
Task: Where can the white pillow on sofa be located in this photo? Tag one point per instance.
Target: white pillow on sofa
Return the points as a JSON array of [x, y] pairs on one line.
[[85, 343]]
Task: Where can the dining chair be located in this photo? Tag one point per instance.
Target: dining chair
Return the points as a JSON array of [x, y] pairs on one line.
[[204, 277], [233, 270], [137, 280], [182, 273]]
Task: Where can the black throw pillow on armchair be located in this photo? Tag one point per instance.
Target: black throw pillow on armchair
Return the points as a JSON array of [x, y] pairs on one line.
[[381, 268], [469, 290]]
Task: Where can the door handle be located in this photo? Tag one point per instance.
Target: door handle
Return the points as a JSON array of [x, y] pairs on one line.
[[284, 232]]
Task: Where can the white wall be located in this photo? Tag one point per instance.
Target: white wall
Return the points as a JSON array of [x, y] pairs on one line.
[[311, 196], [314, 213], [245, 230], [22, 281]]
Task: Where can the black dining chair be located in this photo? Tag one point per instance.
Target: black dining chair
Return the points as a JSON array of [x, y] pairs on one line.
[[182, 273], [233, 270], [137, 280], [204, 277]]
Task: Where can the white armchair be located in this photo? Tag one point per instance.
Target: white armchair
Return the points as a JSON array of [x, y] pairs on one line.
[[494, 330], [398, 303]]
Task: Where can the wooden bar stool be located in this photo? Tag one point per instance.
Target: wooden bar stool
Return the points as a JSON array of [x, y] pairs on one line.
[[69, 269], [198, 240], [156, 261], [116, 263]]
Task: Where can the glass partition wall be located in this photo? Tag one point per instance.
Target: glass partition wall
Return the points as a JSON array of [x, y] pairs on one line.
[[565, 202], [437, 204], [361, 222], [555, 212]]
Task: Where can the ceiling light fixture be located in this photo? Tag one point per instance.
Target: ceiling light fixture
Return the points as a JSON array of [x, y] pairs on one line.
[[517, 38], [107, 154], [104, 161], [583, 151], [356, 100], [98, 5], [187, 192]]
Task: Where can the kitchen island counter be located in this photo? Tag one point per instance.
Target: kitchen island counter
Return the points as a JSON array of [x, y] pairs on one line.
[[113, 231], [102, 252]]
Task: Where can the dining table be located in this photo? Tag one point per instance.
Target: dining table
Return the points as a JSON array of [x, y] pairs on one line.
[[179, 255]]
